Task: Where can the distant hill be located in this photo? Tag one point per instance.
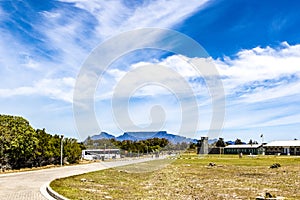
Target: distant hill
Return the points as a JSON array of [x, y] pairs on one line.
[[233, 142], [102, 135], [211, 141], [136, 136], [230, 142]]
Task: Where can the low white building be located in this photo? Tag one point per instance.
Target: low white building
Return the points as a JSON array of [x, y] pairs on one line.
[[290, 147], [97, 154], [243, 148]]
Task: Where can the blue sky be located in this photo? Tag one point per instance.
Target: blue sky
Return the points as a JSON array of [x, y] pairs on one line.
[[255, 45]]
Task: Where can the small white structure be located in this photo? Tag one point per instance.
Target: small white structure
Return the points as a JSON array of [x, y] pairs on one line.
[[290, 147], [97, 154]]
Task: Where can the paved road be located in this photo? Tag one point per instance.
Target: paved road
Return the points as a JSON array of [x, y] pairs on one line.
[[27, 185]]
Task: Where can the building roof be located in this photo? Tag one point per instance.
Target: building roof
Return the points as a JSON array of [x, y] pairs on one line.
[[288, 143], [101, 150], [242, 146]]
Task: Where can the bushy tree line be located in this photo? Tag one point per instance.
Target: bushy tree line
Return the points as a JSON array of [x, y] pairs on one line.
[[222, 143], [22, 146], [181, 146], [141, 146], [100, 143]]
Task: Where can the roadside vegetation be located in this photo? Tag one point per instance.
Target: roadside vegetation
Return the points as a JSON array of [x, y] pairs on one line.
[[21, 146], [141, 146], [129, 147], [189, 177]]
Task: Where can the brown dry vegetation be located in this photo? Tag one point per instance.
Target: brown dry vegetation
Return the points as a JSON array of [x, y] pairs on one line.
[[7, 171], [189, 178]]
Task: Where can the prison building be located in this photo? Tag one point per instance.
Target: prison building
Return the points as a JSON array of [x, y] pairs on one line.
[[248, 149], [291, 147]]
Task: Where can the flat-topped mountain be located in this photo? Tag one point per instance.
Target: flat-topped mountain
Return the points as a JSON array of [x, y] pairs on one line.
[[143, 135], [102, 135]]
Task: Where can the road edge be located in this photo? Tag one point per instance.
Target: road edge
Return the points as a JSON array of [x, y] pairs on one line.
[[49, 193]]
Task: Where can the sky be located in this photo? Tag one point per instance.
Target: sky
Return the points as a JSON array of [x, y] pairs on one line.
[[254, 45]]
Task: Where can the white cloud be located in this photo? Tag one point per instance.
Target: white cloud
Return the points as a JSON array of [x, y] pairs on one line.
[[254, 75], [115, 17], [58, 89], [262, 87], [173, 68], [262, 73], [66, 34], [252, 79]]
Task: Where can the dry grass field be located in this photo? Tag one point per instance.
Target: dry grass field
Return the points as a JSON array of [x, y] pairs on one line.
[[189, 177]]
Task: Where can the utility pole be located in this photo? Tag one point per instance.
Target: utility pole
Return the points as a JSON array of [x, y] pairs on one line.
[[104, 150], [61, 150], [1, 155], [147, 150], [262, 144]]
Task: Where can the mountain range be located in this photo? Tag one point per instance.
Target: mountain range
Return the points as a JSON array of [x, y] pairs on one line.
[[136, 136]]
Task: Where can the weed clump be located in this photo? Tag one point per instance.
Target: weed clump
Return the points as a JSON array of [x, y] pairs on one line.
[[275, 165]]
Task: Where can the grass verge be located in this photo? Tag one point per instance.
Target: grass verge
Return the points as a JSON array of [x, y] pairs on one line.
[[189, 178]]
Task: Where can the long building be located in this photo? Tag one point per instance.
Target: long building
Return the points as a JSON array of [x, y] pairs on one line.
[[97, 154], [243, 148], [291, 147]]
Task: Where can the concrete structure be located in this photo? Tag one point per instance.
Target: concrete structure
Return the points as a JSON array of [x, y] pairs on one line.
[[216, 150], [291, 147], [253, 149], [97, 154], [202, 146]]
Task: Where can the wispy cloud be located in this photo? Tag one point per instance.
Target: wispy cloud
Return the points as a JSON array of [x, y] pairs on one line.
[[253, 76], [65, 34], [262, 82], [262, 73], [115, 16], [250, 76], [42, 50], [57, 89]]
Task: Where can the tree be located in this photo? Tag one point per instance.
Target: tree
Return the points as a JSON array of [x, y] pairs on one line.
[[220, 143], [238, 141], [250, 142], [18, 141], [22, 146], [192, 145], [142, 146], [71, 150], [3, 146], [45, 150]]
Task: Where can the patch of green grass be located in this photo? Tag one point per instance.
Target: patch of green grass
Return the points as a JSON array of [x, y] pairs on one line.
[[189, 178]]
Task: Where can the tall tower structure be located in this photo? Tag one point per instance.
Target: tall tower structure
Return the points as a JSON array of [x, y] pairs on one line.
[[202, 146]]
